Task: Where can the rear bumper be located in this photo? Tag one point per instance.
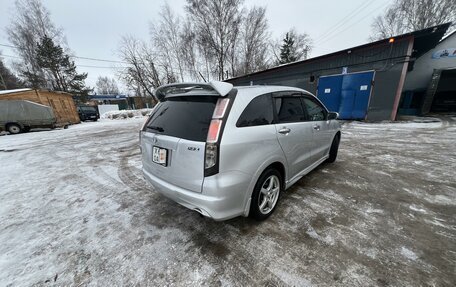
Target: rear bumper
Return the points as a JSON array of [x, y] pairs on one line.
[[223, 196]]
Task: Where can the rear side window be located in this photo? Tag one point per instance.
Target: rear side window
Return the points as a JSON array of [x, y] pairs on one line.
[[257, 113], [314, 110], [183, 117], [289, 109]]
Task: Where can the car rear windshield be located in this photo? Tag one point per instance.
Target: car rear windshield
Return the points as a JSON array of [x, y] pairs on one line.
[[183, 117]]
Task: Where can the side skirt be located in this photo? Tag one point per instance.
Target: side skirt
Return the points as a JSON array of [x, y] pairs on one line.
[[297, 177]]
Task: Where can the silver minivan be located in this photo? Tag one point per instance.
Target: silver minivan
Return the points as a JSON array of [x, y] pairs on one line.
[[226, 151]]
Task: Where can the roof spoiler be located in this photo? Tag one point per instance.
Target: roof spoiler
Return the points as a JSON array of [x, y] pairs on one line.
[[177, 89]]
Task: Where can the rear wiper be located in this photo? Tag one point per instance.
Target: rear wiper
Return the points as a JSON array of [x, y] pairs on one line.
[[160, 129]]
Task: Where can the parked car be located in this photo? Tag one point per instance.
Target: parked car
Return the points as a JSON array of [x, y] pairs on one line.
[[227, 151], [88, 113], [20, 116]]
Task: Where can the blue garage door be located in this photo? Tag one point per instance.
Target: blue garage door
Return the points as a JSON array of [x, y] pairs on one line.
[[346, 94]]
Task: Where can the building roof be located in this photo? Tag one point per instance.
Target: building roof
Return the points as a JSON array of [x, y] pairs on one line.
[[7, 92], [4, 92], [448, 35], [424, 40], [107, 97]]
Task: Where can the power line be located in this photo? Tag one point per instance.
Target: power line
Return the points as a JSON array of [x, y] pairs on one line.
[[5, 45], [84, 66], [77, 57], [365, 16], [337, 30], [103, 67], [343, 21], [9, 56], [100, 60]]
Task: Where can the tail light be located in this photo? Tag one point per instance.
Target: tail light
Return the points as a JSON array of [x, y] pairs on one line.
[[213, 134], [220, 108], [214, 131], [144, 124], [211, 155], [143, 127]]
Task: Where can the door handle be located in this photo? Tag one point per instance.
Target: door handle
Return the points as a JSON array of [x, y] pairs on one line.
[[316, 127], [284, 130]]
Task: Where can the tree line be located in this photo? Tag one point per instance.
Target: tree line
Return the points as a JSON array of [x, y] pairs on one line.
[[404, 16], [217, 40], [212, 40]]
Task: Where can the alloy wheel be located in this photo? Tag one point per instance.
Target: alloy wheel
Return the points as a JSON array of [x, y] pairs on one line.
[[269, 194]]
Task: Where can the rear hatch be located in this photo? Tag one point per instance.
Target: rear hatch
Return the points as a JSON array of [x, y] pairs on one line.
[[90, 112], [174, 138]]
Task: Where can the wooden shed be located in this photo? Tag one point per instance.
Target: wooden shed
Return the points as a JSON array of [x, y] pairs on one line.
[[62, 103]]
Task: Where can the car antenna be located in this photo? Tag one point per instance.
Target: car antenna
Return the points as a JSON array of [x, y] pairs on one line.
[[202, 76]]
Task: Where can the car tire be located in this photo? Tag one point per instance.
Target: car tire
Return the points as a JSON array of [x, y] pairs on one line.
[[266, 194], [334, 149], [14, 129]]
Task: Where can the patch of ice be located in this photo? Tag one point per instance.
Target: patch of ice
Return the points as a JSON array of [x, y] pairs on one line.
[[371, 253], [312, 233], [374, 210], [383, 173], [436, 222], [292, 279], [202, 273], [414, 208], [396, 126], [441, 199], [409, 254], [111, 171]]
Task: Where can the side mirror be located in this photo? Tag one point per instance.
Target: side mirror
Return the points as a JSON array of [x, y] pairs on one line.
[[333, 116]]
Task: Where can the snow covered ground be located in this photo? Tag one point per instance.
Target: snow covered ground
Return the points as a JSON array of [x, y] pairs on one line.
[[75, 211]]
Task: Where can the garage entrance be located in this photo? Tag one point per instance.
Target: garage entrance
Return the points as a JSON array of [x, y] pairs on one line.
[[445, 95], [347, 94]]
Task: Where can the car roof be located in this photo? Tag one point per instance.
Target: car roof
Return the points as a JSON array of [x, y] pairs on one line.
[[254, 91]]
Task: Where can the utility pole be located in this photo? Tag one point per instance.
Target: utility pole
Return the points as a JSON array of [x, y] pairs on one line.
[[3, 82], [306, 50]]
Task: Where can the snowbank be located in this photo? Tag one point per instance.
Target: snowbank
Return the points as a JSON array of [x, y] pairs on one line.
[[125, 114]]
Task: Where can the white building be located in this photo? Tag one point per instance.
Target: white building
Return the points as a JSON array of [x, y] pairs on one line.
[[431, 85]]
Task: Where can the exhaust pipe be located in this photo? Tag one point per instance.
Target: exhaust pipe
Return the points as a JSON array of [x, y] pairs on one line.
[[201, 212]]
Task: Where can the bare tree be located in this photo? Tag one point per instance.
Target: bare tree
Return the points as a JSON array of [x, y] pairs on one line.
[[31, 23], [216, 26], [254, 41], [7, 79], [106, 86], [410, 15], [216, 39], [141, 75], [166, 39], [192, 60]]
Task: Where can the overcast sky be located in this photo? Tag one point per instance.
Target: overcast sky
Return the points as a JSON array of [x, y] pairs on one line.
[[93, 27]]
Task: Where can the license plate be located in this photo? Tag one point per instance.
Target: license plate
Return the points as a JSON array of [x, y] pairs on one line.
[[159, 155]]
